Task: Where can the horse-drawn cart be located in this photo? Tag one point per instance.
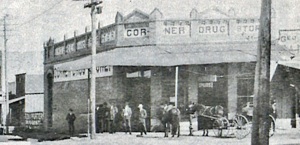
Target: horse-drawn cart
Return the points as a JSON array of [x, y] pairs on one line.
[[239, 126]]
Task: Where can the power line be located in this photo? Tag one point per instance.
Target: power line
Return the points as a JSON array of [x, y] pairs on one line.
[[40, 14]]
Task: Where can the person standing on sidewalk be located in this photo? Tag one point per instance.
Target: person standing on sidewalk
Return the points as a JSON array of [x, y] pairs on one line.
[[71, 118], [106, 117], [248, 111], [142, 120], [112, 121], [127, 116]]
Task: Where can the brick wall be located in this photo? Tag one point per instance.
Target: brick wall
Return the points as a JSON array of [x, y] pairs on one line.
[[66, 95], [74, 94]]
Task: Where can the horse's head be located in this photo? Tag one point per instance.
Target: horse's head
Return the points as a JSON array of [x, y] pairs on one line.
[[174, 111], [196, 108], [191, 109]]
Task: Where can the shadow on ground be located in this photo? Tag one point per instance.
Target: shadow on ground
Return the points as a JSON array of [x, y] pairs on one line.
[[41, 135]]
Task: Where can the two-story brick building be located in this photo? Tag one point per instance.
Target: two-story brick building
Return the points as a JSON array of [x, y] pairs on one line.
[[136, 60]]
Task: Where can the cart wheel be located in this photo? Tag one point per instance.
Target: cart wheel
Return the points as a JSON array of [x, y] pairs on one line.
[[272, 126], [220, 127], [242, 126]]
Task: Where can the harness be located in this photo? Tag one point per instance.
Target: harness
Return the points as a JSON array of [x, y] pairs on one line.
[[205, 110]]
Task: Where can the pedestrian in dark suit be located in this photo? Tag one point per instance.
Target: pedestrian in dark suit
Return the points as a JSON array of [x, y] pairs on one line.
[[106, 119], [71, 118], [101, 118]]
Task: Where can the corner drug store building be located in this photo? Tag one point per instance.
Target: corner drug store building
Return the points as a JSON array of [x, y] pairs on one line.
[[136, 62]]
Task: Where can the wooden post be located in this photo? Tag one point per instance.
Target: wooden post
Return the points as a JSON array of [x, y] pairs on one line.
[[93, 73], [261, 125], [176, 86]]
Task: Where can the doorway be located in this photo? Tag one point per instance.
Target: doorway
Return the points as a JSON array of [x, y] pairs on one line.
[[138, 92]]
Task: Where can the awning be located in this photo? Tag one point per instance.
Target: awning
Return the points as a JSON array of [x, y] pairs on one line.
[[16, 99], [293, 63], [168, 55], [273, 67]]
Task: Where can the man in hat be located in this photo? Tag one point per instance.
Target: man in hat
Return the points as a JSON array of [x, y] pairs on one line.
[[71, 118], [142, 120]]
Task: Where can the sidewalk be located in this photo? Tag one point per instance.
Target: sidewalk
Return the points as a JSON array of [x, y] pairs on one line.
[[281, 137], [12, 140]]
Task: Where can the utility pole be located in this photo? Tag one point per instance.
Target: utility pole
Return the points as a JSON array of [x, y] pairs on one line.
[[93, 5], [261, 121], [5, 97], [176, 86]]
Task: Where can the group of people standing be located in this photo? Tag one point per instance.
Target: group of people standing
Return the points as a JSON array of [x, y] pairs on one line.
[[106, 118], [109, 118]]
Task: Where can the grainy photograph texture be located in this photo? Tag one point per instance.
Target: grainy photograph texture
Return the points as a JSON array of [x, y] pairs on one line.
[[149, 72]]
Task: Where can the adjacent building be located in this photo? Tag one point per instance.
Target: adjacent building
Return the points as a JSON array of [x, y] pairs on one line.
[[26, 101]]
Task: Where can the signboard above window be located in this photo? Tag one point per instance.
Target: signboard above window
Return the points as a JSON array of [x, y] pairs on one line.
[[290, 39], [71, 75], [207, 78]]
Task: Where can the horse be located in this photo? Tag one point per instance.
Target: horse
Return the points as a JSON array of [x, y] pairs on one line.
[[171, 117], [207, 113]]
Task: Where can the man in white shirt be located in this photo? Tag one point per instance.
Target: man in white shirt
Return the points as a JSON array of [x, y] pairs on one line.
[[113, 113], [142, 120], [127, 116]]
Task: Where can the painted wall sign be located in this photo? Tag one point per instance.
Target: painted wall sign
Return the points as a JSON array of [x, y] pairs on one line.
[[34, 119], [81, 44], [212, 27], [246, 29], [65, 75], [207, 78], [108, 36], [136, 32], [206, 85], [89, 41], [60, 50], [60, 76], [104, 71], [290, 39], [176, 28], [70, 48], [289, 36]]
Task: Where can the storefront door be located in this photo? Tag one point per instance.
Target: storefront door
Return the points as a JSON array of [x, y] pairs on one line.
[[138, 92]]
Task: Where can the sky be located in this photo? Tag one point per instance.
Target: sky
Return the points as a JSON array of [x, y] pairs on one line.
[[30, 23]]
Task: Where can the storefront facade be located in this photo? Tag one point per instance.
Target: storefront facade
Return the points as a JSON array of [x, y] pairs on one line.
[[136, 62]]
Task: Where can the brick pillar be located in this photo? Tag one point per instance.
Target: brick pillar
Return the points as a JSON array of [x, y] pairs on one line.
[[232, 90], [192, 84], [118, 85], [155, 93]]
